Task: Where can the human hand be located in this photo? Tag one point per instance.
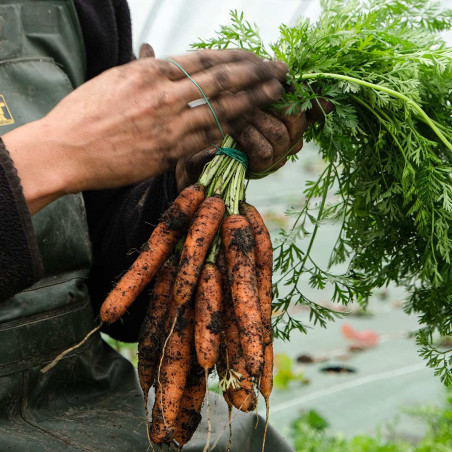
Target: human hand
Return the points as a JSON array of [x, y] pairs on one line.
[[134, 122], [268, 138]]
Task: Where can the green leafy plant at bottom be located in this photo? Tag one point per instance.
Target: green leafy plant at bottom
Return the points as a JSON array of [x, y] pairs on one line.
[[310, 433]]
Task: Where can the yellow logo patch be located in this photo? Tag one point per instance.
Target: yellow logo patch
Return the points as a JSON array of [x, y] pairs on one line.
[[5, 115]]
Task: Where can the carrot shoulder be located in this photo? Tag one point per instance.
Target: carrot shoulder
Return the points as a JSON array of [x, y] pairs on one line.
[[156, 250], [200, 235], [238, 242]]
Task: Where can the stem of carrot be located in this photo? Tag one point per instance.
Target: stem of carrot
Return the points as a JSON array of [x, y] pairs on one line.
[[214, 248], [210, 171]]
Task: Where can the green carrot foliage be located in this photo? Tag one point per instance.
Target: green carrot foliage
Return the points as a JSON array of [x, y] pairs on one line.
[[387, 151]]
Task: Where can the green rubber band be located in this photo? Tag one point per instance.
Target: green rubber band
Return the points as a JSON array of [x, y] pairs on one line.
[[240, 156], [201, 91]]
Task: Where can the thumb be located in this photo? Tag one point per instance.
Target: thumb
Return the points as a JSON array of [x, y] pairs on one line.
[[146, 51]]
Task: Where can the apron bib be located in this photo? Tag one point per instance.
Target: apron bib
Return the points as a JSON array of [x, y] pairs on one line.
[[90, 400]]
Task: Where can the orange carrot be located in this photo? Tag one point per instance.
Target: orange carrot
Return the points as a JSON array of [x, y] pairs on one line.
[[190, 410], [242, 396], [266, 385], [200, 235], [156, 250], [208, 316], [208, 302], [264, 267], [174, 370], [151, 333], [238, 242]]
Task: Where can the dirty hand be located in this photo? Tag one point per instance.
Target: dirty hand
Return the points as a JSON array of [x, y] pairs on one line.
[[267, 137], [134, 121]]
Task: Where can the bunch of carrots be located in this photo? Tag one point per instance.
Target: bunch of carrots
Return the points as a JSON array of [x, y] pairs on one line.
[[211, 257]]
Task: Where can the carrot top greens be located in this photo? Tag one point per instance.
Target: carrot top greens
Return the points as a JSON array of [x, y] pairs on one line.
[[387, 148]]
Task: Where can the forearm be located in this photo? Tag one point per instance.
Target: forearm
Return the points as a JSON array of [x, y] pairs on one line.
[[38, 164]]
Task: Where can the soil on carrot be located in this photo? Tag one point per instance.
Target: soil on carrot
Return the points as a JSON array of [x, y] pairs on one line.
[[215, 323], [243, 239], [175, 221]]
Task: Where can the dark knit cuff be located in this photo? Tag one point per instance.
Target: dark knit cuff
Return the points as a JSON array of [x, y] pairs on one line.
[[20, 259], [170, 186]]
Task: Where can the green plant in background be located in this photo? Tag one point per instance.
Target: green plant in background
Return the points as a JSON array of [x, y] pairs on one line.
[[128, 350], [310, 434], [285, 373], [387, 149], [439, 427]]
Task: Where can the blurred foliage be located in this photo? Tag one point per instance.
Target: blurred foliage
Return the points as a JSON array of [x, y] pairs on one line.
[[274, 220], [285, 372], [128, 350], [310, 433]]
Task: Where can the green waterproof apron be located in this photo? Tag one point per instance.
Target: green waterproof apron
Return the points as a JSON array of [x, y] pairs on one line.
[[91, 399]]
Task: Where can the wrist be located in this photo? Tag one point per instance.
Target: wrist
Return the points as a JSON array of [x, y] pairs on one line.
[[38, 164]]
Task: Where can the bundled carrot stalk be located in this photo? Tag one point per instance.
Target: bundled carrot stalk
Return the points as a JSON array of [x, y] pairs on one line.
[[211, 302]]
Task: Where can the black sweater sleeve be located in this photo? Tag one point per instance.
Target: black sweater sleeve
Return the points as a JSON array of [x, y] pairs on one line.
[[20, 260], [120, 222], [107, 33]]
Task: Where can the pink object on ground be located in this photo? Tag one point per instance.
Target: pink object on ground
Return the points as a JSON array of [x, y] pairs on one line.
[[365, 338]]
